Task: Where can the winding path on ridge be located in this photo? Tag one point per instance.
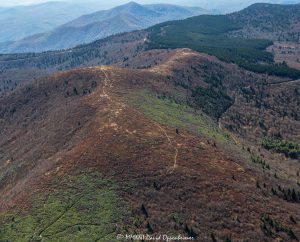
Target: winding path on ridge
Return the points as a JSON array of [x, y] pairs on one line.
[[171, 144], [108, 84]]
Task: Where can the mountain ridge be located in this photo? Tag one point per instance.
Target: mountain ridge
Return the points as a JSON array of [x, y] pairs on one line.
[[22, 21], [121, 47], [116, 137], [99, 25], [130, 134]]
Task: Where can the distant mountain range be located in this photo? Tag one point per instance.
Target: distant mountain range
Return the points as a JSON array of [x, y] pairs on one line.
[[88, 28], [21, 21], [229, 6]]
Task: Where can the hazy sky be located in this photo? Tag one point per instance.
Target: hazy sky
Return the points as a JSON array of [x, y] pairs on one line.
[[114, 2], [201, 3]]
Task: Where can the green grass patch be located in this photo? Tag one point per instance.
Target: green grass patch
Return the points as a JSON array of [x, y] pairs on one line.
[[282, 146], [83, 208], [168, 112]]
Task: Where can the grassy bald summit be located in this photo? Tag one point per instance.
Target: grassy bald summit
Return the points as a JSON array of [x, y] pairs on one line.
[[88, 28], [93, 152]]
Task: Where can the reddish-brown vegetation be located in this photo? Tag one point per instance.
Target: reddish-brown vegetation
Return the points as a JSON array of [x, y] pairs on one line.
[[81, 121]]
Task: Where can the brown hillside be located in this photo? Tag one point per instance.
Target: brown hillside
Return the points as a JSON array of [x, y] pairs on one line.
[[121, 124]]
